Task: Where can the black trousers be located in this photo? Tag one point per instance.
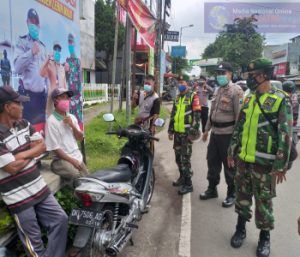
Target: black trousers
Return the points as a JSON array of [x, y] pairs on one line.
[[216, 156], [204, 117]]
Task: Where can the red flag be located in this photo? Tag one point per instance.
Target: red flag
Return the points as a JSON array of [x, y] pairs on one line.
[[143, 20]]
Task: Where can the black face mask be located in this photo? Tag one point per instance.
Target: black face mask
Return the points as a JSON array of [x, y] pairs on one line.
[[252, 83]]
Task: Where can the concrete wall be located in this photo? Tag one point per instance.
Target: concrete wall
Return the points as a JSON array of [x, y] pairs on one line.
[[293, 57], [87, 36]]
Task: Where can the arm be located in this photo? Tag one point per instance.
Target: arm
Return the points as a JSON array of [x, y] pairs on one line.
[[23, 57], [135, 99], [62, 155], [36, 149], [171, 123], [15, 166], [196, 107], [285, 121], [44, 68], [73, 123]]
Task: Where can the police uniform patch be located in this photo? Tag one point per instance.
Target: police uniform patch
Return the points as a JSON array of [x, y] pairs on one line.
[[269, 103]]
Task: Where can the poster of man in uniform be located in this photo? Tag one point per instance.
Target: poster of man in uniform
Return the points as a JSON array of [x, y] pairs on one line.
[[41, 42]]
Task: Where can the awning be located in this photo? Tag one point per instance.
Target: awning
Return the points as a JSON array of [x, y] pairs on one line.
[[170, 75]]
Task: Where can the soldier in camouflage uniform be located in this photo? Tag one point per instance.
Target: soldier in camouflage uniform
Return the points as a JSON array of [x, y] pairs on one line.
[[185, 119], [261, 140]]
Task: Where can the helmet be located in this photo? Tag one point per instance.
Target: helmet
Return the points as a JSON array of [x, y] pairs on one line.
[[288, 86], [194, 134]]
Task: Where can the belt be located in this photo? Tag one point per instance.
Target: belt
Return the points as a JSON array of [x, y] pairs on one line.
[[223, 124]]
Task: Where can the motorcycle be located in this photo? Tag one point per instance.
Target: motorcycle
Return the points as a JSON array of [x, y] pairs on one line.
[[114, 199]]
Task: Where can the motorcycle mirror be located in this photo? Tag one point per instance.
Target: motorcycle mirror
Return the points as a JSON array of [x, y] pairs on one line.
[[159, 122], [109, 117]]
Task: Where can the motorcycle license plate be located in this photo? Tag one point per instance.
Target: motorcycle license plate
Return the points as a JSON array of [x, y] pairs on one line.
[[88, 218]]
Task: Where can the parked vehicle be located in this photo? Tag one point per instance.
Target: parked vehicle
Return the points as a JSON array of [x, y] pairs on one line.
[[114, 199]]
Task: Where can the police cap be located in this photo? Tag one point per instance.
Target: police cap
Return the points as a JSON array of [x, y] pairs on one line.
[[224, 66], [56, 44], [33, 16]]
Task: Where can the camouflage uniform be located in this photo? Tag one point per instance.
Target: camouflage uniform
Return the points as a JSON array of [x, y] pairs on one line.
[[182, 144], [254, 176]]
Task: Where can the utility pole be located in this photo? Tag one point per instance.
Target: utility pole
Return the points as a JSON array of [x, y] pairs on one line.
[[128, 68], [158, 43], [114, 59]]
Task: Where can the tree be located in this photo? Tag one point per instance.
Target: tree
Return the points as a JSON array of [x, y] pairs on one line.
[[179, 65], [104, 28], [238, 44]]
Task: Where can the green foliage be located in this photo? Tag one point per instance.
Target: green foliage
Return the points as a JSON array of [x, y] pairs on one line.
[[239, 44], [104, 28], [179, 65], [6, 220]]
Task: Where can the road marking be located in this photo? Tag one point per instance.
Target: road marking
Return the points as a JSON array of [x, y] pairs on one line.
[[185, 232]]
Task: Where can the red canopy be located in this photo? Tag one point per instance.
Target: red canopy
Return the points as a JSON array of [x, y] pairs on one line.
[[170, 75]]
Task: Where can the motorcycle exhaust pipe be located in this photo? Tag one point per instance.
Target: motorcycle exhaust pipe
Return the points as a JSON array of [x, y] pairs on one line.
[[118, 246]]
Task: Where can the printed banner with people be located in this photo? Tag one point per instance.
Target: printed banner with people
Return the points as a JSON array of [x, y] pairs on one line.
[[40, 51]]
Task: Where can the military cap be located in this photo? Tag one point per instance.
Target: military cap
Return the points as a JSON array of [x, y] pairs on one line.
[[224, 66], [32, 15], [259, 64]]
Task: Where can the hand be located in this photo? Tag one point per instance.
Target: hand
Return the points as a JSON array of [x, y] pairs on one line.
[[138, 121], [67, 67], [230, 162], [35, 48], [205, 136], [76, 164], [171, 136], [152, 130], [299, 226], [279, 176], [67, 120]]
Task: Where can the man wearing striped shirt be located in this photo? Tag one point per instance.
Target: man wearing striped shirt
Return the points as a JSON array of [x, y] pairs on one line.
[[22, 188]]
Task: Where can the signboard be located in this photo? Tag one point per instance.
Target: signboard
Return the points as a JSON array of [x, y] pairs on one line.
[[171, 36], [42, 42], [271, 17], [178, 51]]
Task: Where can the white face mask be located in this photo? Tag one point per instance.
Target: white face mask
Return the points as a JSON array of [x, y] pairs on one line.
[[147, 88]]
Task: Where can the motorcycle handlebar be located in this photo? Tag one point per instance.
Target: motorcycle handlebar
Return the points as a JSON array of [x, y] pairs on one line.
[[125, 133]]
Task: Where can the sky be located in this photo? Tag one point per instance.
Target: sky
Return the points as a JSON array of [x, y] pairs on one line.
[[186, 12]]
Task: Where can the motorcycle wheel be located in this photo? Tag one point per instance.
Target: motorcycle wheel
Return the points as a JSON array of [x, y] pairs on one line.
[[93, 249], [151, 187]]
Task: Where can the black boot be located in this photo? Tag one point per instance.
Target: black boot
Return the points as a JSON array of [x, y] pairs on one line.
[[187, 187], [229, 201], [211, 192], [263, 247], [179, 181], [240, 233]]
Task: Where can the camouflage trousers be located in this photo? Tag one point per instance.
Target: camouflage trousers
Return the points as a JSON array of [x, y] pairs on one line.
[[183, 152], [255, 180]]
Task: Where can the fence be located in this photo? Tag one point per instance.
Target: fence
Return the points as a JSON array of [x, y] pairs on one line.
[[93, 93]]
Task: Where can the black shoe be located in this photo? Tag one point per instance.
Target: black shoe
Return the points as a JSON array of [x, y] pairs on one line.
[[209, 193], [178, 182], [185, 189], [263, 247], [238, 238], [229, 201]]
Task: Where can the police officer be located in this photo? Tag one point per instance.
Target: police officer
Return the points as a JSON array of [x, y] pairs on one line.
[[225, 107], [185, 119], [262, 141], [30, 55], [5, 69]]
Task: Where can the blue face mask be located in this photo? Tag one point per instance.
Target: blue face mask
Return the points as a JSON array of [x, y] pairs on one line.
[[147, 88], [71, 49], [181, 88], [33, 31], [56, 56], [222, 80]]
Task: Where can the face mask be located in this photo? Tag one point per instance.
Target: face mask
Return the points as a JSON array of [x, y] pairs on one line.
[[181, 88], [63, 105], [252, 83], [56, 56], [33, 31], [222, 80], [147, 88], [71, 49]]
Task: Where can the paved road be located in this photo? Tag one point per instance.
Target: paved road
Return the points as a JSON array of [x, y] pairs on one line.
[[212, 225]]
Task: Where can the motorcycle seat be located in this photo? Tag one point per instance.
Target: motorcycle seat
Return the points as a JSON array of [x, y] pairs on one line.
[[119, 173]]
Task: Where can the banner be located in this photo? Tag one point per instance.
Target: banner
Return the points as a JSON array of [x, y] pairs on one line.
[[143, 20], [40, 47]]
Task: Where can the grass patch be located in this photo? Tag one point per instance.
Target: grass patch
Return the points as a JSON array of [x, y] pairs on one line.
[[103, 150]]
